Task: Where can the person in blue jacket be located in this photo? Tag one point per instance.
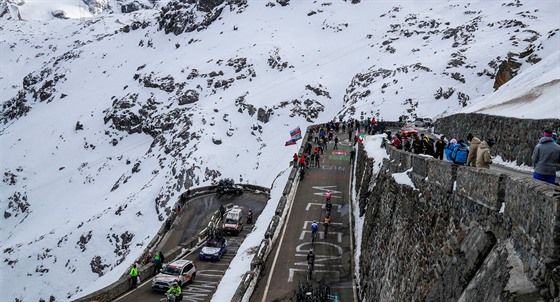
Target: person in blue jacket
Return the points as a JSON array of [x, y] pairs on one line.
[[449, 148], [460, 153]]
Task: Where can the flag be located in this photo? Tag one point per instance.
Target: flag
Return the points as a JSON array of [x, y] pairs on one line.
[[290, 142], [296, 133]]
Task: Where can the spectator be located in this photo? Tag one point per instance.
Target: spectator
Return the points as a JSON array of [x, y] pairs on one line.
[[440, 146], [545, 157], [417, 145], [352, 155], [474, 142], [449, 148], [460, 153], [483, 158], [428, 146], [397, 142]]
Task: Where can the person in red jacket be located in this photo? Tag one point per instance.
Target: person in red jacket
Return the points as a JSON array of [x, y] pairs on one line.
[[302, 161], [397, 142]]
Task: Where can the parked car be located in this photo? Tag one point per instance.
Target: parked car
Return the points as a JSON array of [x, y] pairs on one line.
[[233, 220], [423, 122], [227, 186], [408, 130], [180, 271], [214, 249]]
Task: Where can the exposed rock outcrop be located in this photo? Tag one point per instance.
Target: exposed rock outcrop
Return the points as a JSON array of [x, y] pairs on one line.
[[507, 70]]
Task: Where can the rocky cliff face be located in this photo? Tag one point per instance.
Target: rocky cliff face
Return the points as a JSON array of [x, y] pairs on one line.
[[458, 234]]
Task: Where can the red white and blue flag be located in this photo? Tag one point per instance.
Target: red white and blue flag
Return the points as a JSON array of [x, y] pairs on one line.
[[296, 133], [290, 142]]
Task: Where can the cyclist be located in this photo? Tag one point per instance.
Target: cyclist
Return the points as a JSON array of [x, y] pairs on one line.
[[328, 206], [310, 261], [314, 229], [327, 222], [328, 196]]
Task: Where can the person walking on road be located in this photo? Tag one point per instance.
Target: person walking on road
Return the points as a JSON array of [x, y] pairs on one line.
[[483, 158], [473, 149], [546, 157], [335, 143], [352, 155]]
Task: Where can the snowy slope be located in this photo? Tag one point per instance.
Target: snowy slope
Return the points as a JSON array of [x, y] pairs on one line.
[[105, 119]]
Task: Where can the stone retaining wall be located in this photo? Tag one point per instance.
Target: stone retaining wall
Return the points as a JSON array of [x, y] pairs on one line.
[[515, 138], [461, 234]]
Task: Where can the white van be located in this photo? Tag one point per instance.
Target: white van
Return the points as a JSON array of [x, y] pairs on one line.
[[233, 220]]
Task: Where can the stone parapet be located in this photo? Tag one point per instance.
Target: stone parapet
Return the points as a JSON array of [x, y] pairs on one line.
[[460, 234], [515, 138], [534, 207], [482, 186]]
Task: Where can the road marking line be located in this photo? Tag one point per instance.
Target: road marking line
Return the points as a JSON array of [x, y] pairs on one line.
[[292, 196]]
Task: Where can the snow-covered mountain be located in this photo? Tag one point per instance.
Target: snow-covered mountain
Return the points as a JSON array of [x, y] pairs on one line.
[[108, 116]]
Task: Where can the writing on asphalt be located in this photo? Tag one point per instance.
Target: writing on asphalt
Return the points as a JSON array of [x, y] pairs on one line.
[[328, 252]]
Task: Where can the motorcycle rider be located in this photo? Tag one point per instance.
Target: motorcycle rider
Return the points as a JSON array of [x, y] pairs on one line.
[[250, 216], [175, 289]]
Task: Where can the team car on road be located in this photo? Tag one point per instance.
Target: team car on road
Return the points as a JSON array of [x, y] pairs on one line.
[[180, 271], [214, 249], [233, 220], [228, 186]]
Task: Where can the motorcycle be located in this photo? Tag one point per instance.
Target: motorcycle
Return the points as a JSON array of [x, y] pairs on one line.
[[250, 218], [171, 297]]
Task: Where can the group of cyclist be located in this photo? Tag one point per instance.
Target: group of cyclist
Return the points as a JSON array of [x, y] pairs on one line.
[[315, 229]]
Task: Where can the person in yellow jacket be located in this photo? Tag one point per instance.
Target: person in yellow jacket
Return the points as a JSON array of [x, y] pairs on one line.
[[175, 289], [134, 275]]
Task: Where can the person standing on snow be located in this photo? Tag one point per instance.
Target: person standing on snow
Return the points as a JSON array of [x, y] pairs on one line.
[[546, 157]]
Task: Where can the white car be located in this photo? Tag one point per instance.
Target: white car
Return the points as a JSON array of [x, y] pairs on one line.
[[233, 221], [180, 271], [423, 122]]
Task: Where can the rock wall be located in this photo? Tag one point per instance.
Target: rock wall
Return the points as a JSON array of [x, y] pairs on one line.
[[515, 138], [460, 234]]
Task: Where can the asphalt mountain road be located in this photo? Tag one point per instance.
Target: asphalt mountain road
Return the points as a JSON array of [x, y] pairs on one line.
[[195, 217], [286, 266]]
